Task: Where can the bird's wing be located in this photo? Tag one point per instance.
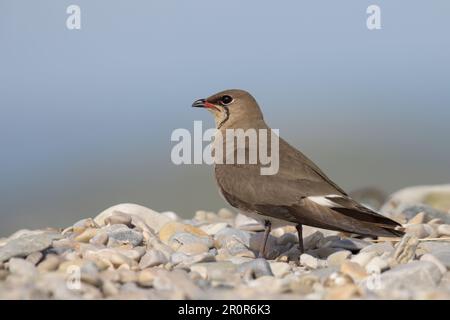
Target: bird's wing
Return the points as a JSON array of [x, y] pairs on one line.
[[300, 193]]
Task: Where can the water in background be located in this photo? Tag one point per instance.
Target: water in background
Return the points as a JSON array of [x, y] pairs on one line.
[[86, 116]]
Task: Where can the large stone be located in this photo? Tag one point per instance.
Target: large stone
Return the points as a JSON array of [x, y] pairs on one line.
[[26, 244], [152, 219], [415, 275]]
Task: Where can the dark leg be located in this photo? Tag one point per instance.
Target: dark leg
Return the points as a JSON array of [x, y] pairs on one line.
[[267, 228], [299, 228]]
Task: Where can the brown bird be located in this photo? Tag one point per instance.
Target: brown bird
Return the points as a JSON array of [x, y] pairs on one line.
[[299, 193]]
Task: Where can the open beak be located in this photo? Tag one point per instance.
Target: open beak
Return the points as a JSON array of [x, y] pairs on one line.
[[202, 103]]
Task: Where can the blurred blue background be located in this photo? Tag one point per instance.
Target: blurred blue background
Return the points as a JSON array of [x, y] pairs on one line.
[[86, 115]]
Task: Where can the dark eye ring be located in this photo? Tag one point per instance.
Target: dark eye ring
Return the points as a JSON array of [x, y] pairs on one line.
[[226, 100]]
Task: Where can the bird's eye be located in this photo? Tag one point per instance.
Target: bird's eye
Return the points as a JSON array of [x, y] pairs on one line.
[[225, 100]]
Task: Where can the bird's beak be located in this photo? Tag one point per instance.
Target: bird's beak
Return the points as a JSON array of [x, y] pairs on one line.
[[202, 103]]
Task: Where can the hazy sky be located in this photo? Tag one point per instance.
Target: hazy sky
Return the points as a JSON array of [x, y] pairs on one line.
[[86, 115]]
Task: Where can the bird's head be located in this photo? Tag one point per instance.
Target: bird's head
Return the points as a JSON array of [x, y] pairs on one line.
[[230, 106]]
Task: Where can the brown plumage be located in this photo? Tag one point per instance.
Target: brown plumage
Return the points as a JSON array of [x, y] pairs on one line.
[[299, 193]]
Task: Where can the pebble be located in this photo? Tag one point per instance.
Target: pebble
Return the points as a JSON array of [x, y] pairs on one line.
[[419, 231], [27, 244], [350, 244], [50, 263], [100, 239], [123, 234], [154, 220], [212, 229], [431, 258], [242, 222], [416, 275], [192, 249], [311, 262], [215, 271], [444, 257], [86, 235], [35, 257], [119, 218], [444, 230], [345, 292], [377, 265], [255, 269], [337, 258], [22, 267], [354, 270], [185, 238], [152, 258], [379, 248], [224, 213], [173, 227], [280, 269], [146, 277], [405, 250], [363, 258], [418, 218]]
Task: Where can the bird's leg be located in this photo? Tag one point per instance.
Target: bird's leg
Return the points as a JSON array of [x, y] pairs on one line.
[[267, 228], [299, 228]]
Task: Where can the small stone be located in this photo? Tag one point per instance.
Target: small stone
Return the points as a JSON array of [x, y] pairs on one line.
[[27, 244], [363, 258], [377, 265], [242, 222], [227, 234], [337, 258], [405, 250], [35, 257], [185, 238], [286, 239], [418, 218], [311, 262], [431, 258], [312, 241], [100, 239], [344, 292], [224, 213], [50, 263], [83, 224], [192, 249], [350, 244], [212, 229], [123, 234], [86, 235], [22, 267], [152, 258], [215, 271], [444, 257], [109, 289], [119, 218], [128, 276], [146, 277], [255, 269], [444, 230], [354, 270], [379, 248], [280, 269], [171, 228], [171, 215], [419, 231]]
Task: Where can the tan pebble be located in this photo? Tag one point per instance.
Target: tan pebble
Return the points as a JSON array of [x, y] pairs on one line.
[[146, 277], [119, 218], [354, 270], [418, 218], [86, 235], [35, 257], [444, 230], [193, 248], [363, 258], [225, 213], [337, 258], [169, 229], [344, 292], [109, 289], [418, 230], [127, 276], [99, 239], [50, 263]]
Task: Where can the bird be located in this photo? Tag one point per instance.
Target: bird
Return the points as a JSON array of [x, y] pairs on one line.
[[298, 194]]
